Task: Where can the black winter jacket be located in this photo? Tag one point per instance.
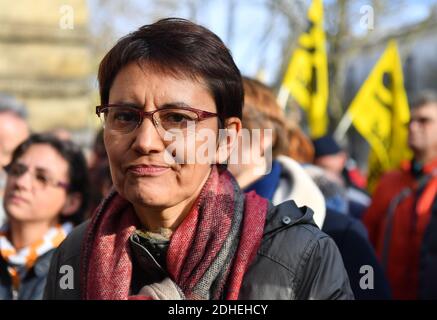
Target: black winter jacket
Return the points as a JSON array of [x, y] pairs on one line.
[[295, 261]]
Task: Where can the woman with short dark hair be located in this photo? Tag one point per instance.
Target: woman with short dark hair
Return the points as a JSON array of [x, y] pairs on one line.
[[177, 225], [45, 197]]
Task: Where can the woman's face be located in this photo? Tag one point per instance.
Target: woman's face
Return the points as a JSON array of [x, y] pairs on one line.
[[140, 171], [35, 195]]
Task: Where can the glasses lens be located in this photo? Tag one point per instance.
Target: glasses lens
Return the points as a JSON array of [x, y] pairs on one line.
[[121, 118], [175, 118], [16, 169], [41, 179]]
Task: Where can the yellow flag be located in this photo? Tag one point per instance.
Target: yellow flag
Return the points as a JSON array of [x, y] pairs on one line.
[[307, 75], [381, 114]]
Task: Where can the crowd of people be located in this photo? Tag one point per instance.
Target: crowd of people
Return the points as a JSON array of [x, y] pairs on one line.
[[137, 220]]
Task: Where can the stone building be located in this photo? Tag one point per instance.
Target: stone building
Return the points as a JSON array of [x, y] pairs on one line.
[[46, 62]]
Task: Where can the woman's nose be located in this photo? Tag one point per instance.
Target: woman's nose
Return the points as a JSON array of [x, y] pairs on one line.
[[147, 139], [24, 181]]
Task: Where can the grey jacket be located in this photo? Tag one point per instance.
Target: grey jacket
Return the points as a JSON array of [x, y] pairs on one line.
[[295, 261]]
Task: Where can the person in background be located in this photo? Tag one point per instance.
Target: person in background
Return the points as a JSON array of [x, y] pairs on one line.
[[428, 259], [288, 180], [331, 187], [45, 197], [99, 172], [299, 147], [351, 237], [330, 157], [402, 202], [13, 130]]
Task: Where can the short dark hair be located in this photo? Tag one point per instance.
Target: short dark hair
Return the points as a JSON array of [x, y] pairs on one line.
[[422, 98], [77, 168], [180, 48]]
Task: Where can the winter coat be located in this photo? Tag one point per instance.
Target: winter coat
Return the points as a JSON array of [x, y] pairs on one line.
[[348, 233], [398, 237], [294, 261]]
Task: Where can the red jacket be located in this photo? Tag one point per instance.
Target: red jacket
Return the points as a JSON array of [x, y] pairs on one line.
[[409, 222]]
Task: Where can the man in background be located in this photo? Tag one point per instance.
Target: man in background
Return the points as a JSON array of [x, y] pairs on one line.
[[402, 202], [13, 130], [342, 170]]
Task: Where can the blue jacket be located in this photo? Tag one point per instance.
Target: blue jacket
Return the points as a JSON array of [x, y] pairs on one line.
[[32, 286]]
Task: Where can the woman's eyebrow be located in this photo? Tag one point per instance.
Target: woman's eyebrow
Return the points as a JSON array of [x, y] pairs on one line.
[[177, 104], [42, 170], [129, 104]]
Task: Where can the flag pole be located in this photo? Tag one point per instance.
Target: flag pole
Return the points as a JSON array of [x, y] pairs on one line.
[[283, 96], [343, 127]]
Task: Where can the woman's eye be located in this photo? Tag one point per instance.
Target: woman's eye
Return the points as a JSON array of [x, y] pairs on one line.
[[17, 170], [42, 178], [176, 117], [125, 116]]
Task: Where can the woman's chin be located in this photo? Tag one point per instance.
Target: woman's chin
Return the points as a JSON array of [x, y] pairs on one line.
[[148, 199], [16, 213]]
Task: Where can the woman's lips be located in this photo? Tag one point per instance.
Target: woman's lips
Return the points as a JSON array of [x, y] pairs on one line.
[[147, 170], [16, 199]]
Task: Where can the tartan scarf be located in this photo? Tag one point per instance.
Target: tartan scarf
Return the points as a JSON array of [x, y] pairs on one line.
[[21, 261], [208, 253]]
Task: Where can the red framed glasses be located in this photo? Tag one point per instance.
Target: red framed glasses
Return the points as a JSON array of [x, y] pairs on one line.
[[125, 119]]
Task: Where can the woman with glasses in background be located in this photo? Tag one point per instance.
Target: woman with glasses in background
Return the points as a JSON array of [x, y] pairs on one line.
[[177, 225], [45, 197]]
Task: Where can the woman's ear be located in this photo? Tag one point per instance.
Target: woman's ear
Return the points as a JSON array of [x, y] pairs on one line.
[[228, 139], [72, 204]]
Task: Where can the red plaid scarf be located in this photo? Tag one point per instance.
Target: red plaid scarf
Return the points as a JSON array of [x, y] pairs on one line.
[[209, 252]]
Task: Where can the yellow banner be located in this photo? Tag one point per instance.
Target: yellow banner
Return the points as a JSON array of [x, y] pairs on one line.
[[380, 113], [307, 74]]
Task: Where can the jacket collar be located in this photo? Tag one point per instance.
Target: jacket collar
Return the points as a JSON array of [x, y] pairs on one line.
[[267, 184], [296, 184], [426, 168], [285, 215], [145, 259], [42, 265], [40, 268]]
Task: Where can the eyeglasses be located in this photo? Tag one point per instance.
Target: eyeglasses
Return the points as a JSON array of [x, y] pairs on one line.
[[41, 178], [422, 121], [125, 119]]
